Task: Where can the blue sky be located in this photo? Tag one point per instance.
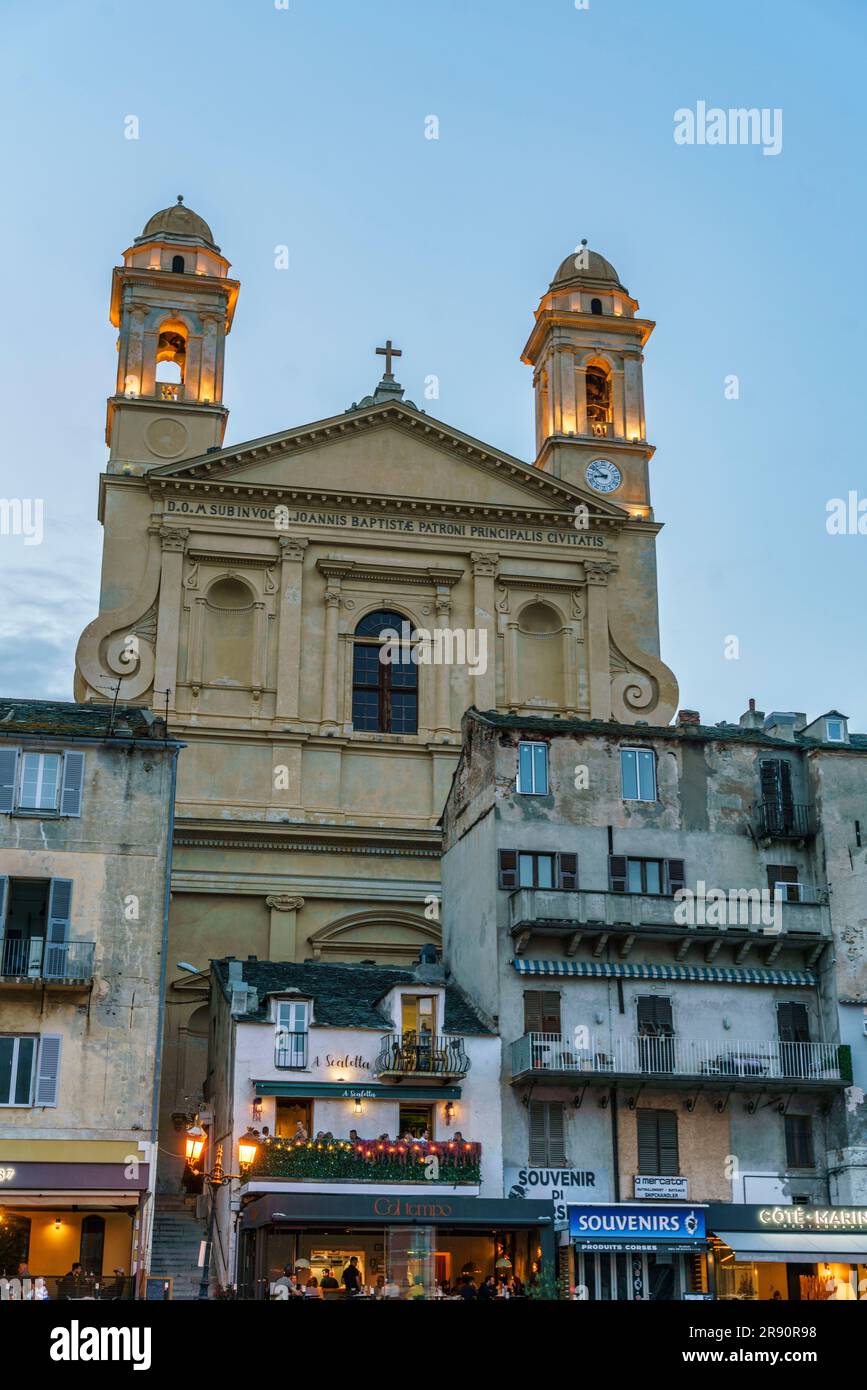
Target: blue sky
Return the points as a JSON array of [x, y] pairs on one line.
[[304, 126]]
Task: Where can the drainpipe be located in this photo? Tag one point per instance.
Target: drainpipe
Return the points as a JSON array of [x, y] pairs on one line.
[[615, 1143], [165, 940]]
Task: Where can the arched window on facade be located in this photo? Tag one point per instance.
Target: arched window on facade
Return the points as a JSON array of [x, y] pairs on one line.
[[596, 306], [384, 691], [598, 400], [178, 264]]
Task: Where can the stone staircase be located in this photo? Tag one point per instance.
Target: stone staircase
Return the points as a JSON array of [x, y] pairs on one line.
[[177, 1236]]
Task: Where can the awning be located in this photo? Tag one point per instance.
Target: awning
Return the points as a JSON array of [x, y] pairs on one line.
[[796, 1249], [694, 974], [336, 1090]]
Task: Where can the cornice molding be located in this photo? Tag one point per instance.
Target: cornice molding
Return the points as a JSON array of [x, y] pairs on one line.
[[431, 576]]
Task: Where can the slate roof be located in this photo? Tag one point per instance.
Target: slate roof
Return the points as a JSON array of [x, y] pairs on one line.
[[731, 733], [344, 995], [65, 719]]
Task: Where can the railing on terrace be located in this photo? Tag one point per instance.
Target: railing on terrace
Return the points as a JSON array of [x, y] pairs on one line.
[[780, 820], [403, 1054], [457, 1161], [290, 1051], [37, 959], [536, 907], [688, 1057]]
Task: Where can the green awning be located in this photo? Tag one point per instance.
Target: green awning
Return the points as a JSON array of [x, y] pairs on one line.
[[336, 1090]]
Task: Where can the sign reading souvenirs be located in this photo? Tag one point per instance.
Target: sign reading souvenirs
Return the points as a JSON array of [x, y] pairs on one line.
[[675, 1189], [629, 1227], [283, 517], [548, 1185]]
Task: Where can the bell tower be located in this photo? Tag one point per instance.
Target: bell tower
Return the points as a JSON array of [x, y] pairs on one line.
[[172, 304], [586, 349]]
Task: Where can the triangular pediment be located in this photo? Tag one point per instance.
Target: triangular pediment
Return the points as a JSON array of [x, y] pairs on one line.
[[387, 450]]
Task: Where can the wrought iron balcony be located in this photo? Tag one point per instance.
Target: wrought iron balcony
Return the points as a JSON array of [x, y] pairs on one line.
[[715, 1061], [35, 959], [290, 1051], [781, 820], [421, 1054]]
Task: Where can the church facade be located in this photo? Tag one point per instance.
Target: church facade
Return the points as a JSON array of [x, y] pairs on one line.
[[248, 591]]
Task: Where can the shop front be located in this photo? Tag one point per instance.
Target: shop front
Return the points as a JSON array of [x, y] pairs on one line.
[[79, 1203], [788, 1253], [420, 1244], [638, 1252]]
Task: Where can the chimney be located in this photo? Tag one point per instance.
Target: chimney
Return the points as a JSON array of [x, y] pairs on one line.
[[781, 724], [688, 716], [752, 718], [235, 969]]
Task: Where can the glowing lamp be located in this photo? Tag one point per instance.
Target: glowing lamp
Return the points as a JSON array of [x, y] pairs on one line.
[[358, 1109], [194, 1144], [248, 1147]]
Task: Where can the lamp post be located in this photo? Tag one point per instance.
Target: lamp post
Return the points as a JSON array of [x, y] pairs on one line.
[[216, 1177]]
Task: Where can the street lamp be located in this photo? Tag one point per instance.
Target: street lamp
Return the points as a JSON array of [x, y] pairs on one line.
[[248, 1147]]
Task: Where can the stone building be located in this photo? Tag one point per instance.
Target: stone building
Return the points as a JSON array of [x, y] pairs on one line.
[[86, 796], [246, 587], [659, 921]]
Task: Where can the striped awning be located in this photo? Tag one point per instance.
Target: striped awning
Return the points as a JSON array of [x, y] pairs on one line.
[[690, 974]]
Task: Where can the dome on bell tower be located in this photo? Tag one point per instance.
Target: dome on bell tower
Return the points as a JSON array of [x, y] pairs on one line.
[[585, 267], [178, 223]]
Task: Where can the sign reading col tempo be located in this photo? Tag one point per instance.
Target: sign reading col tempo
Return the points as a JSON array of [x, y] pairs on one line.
[[627, 1226]]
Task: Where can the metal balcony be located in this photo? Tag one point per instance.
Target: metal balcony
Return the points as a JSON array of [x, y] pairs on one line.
[[33, 960], [718, 1062], [424, 1054], [780, 820], [290, 1051]]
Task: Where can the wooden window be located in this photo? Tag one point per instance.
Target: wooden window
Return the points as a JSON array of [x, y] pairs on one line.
[[627, 874], [291, 1045], [41, 782], [384, 693], [657, 1143], [654, 1016], [638, 774], [776, 781], [532, 769], [786, 876], [799, 1141], [17, 1056], [793, 1022], [518, 869], [547, 1146], [542, 1011]]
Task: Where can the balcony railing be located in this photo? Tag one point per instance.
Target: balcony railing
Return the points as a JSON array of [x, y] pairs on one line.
[[290, 1052], [426, 1054], [327, 1159], [36, 959], [706, 1059], [780, 820], [567, 910]]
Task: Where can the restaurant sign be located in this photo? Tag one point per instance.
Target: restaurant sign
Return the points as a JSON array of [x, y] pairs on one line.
[[736, 1216], [626, 1227]]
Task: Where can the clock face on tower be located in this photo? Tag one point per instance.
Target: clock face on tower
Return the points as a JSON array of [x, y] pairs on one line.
[[603, 475]]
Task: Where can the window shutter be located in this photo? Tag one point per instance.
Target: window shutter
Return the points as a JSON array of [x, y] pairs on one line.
[[538, 1147], [550, 1011], [533, 1011], [769, 773], [799, 1141], [793, 1022], [674, 869], [617, 872], [556, 1134], [669, 1159], [73, 781], [648, 1149], [4, 890], [508, 868], [48, 1070], [8, 767], [567, 870], [59, 905], [786, 783]]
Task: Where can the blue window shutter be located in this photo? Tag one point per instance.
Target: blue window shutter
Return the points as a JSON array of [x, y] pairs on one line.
[[73, 780], [59, 905], [48, 1070], [8, 766], [4, 891]]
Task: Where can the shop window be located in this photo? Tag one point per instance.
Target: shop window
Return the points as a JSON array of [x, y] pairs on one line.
[[627, 874], [384, 692], [520, 870], [416, 1120], [657, 1143], [92, 1244], [547, 1147], [532, 769], [799, 1141], [542, 1011], [293, 1119], [638, 774]]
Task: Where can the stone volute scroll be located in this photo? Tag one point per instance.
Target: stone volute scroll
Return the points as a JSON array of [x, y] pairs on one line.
[[282, 935]]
